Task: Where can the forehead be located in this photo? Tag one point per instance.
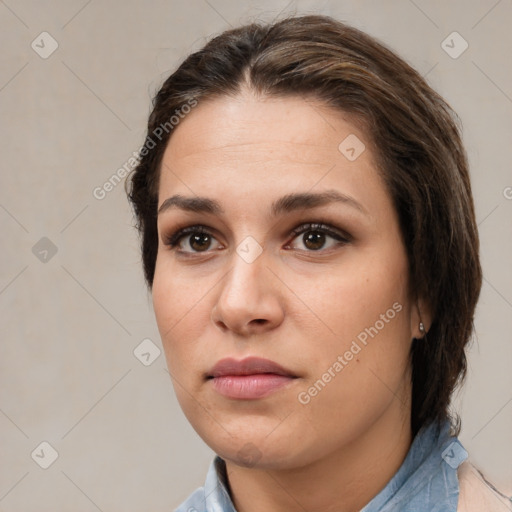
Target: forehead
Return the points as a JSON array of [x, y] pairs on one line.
[[247, 121], [249, 145]]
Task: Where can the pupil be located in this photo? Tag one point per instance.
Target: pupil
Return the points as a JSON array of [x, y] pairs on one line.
[[314, 240], [200, 242]]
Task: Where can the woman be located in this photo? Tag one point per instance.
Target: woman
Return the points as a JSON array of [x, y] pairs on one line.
[[308, 234]]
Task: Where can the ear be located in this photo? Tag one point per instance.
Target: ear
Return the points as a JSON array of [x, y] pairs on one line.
[[420, 312]]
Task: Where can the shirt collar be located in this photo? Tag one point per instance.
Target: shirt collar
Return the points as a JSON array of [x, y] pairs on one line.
[[427, 479], [425, 482]]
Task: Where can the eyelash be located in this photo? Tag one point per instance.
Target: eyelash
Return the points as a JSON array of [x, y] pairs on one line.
[[340, 236]]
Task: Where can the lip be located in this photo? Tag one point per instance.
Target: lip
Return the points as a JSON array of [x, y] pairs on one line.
[[249, 379], [247, 366]]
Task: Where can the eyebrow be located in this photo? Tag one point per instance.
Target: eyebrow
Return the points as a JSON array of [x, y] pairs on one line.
[[285, 204]]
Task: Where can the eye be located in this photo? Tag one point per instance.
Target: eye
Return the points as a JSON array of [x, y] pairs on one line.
[[192, 239], [315, 237]]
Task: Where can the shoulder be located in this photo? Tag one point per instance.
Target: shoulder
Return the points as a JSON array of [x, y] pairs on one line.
[[476, 495]]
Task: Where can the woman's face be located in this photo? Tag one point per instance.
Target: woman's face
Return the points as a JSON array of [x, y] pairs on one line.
[[296, 257]]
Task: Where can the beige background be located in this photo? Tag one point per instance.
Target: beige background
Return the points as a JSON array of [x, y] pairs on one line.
[[71, 320]]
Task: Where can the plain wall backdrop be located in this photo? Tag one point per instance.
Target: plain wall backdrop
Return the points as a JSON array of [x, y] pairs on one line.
[[76, 81]]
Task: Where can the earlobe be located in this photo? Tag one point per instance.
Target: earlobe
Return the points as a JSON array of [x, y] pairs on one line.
[[420, 320]]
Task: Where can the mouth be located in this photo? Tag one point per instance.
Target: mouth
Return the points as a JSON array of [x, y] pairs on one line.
[[249, 379]]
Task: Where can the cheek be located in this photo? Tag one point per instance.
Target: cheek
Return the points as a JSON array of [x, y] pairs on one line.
[[180, 314], [363, 323], [355, 378], [179, 305], [178, 292], [350, 297]]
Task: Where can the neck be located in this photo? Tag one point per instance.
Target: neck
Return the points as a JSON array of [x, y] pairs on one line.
[[344, 481]]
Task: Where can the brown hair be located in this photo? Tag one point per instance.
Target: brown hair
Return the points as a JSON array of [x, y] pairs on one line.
[[418, 149]]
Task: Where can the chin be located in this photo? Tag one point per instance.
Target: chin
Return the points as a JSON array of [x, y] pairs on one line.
[[258, 449], [251, 455]]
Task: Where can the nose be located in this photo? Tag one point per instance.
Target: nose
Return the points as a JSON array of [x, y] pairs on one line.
[[249, 301]]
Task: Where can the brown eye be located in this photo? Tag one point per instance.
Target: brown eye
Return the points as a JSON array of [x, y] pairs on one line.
[[314, 240], [200, 242], [316, 237], [192, 239]]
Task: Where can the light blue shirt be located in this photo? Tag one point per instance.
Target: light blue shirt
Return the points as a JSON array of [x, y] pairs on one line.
[[425, 482]]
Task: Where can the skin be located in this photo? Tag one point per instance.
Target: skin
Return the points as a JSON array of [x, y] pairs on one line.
[[294, 305]]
